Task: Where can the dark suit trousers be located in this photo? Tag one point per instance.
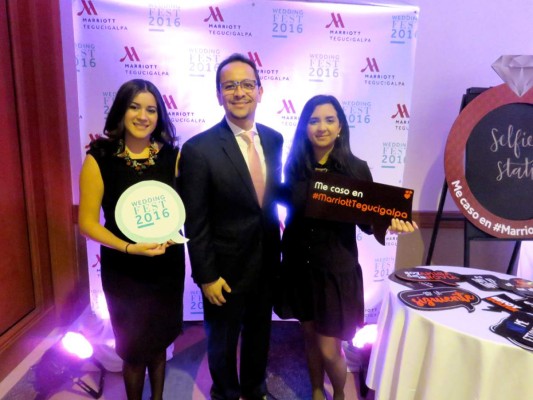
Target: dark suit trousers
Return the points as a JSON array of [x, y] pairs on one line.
[[248, 315]]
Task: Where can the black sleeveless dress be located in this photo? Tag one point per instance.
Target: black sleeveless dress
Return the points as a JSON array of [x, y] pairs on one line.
[[144, 295]]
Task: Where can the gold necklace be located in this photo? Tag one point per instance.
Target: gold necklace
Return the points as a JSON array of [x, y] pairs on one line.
[[139, 167]]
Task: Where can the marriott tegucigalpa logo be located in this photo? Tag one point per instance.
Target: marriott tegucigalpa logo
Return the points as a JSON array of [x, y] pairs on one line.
[[339, 31], [214, 12], [336, 21], [287, 107], [218, 26], [88, 7], [401, 112], [255, 58], [170, 102], [135, 65], [371, 65], [131, 55], [401, 117], [374, 76]]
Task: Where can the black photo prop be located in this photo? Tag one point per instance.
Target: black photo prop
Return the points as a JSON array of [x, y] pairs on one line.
[[413, 284], [429, 275], [340, 198], [517, 328], [440, 298], [483, 282], [502, 302], [522, 287]]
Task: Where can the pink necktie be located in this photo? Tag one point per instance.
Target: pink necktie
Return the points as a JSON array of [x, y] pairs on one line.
[[255, 166]]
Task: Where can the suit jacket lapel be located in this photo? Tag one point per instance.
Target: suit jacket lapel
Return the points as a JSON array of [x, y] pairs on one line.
[[231, 148]]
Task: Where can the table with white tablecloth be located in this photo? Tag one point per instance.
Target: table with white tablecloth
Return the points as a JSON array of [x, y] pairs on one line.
[[446, 354]]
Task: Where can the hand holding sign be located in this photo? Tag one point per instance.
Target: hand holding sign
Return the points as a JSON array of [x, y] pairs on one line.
[[151, 211], [341, 198]]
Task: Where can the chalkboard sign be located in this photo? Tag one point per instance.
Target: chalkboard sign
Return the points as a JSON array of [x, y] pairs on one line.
[[499, 161], [489, 163]]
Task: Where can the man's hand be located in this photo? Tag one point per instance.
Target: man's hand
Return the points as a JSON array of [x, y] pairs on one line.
[[213, 291]]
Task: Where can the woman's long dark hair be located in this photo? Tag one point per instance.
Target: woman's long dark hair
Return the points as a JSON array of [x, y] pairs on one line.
[[114, 129], [301, 159]]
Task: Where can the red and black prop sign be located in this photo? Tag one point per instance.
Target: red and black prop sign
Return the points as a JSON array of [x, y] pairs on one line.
[[502, 302], [428, 275], [340, 198]]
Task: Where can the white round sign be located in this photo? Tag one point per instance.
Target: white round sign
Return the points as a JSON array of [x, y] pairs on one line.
[[152, 212]]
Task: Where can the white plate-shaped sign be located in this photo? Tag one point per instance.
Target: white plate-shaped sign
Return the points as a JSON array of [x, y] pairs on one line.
[[151, 212]]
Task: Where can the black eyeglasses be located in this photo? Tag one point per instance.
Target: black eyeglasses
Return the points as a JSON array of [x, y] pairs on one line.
[[247, 85]]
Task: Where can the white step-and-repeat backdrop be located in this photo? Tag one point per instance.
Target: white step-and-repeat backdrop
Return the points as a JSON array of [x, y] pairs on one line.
[[361, 53]]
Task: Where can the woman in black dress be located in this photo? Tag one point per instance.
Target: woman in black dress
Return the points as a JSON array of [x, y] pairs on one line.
[[142, 282], [320, 262]]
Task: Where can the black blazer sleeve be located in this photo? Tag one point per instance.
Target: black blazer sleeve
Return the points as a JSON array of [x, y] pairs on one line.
[[193, 168]]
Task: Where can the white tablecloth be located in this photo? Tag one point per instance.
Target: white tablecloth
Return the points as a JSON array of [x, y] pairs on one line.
[[446, 355]]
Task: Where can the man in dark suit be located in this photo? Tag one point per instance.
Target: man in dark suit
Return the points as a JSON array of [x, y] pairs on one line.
[[234, 234]]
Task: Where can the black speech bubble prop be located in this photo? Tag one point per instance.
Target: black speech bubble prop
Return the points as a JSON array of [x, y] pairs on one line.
[[517, 328], [522, 287], [429, 275], [341, 198], [441, 298], [526, 304], [483, 282], [413, 284]]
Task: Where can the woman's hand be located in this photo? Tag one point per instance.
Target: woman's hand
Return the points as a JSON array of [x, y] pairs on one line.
[[147, 249], [398, 226]]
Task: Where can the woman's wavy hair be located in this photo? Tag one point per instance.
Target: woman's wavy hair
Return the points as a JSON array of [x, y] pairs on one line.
[[114, 128], [301, 159]]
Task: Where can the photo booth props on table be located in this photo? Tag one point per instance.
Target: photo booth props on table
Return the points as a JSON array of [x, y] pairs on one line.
[[440, 298], [341, 198], [429, 275], [446, 294], [152, 212], [522, 287], [517, 328], [503, 302], [413, 284], [483, 282]]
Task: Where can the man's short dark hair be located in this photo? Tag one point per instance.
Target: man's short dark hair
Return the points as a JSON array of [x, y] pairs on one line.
[[237, 57]]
